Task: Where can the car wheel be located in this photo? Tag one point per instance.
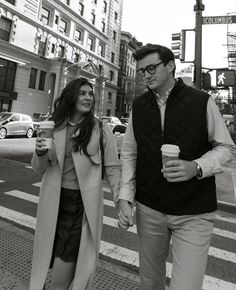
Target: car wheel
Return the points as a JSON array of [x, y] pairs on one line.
[[3, 133], [29, 133]]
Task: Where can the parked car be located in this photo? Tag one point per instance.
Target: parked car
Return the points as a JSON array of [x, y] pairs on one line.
[[15, 124], [111, 119], [118, 130], [37, 118]]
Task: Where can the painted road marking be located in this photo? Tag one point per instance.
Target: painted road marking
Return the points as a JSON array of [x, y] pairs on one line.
[[23, 195], [35, 199], [120, 253], [30, 222], [131, 257], [1, 181]]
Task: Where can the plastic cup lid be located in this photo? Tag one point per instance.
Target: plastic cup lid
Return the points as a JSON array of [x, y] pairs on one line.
[[170, 148]]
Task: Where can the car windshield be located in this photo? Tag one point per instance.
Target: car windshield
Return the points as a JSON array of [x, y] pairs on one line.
[[4, 116]]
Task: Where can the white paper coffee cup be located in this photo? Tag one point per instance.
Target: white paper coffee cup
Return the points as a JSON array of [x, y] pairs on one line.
[[169, 152], [47, 128]]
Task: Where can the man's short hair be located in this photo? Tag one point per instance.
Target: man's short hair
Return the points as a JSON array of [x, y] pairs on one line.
[[165, 53]]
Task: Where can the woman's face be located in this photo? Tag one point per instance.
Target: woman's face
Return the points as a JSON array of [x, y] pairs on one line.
[[85, 100]]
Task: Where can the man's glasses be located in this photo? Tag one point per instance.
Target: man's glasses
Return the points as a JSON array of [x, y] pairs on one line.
[[150, 69]]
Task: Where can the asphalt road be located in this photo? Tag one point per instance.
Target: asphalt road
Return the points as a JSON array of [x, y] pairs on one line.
[[18, 149], [18, 183]]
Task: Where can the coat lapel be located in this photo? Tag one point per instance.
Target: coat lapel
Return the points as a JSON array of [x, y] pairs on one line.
[[60, 143]]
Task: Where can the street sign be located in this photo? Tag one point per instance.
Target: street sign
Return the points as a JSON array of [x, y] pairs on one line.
[[225, 78], [219, 19]]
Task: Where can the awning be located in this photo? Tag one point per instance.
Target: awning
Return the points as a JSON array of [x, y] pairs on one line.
[[14, 59]]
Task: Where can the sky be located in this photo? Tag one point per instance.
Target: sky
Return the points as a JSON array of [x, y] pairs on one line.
[[154, 21]]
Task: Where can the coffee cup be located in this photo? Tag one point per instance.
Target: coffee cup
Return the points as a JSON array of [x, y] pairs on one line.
[[47, 128], [169, 152]]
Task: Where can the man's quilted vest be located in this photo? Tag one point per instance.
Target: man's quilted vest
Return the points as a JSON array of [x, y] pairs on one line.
[[185, 125]]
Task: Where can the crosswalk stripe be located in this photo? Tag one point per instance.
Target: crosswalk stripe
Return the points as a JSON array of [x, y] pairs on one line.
[[18, 217], [119, 253], [35, 199], [23, 195], [131, 257]]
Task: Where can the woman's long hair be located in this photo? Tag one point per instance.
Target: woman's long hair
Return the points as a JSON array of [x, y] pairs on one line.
[[64, 108]]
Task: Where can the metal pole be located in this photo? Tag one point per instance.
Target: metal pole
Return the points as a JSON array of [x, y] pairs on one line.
[[198, 8]]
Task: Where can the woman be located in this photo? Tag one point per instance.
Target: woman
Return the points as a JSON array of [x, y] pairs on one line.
[[70, 211]]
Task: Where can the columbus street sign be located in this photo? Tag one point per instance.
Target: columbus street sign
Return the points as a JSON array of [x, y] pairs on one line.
[[219, 19]]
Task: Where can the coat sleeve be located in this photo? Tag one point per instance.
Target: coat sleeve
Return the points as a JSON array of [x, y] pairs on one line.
[[41, 163], [112, 162]]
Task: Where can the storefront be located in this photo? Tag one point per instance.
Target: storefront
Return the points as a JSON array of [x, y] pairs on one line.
[[7, 81]]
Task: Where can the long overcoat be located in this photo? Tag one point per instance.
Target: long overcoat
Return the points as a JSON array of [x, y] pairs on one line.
[[88, 172]]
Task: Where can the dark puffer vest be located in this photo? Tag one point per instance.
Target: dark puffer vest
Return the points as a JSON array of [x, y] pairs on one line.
[[185, 125]]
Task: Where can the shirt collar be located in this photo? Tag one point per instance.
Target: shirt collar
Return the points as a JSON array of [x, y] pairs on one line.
[[163, 100]]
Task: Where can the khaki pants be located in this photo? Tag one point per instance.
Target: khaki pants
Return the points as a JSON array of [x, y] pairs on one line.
[[190, 236]]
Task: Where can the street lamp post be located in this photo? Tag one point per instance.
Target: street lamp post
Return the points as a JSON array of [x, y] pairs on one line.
[[198, 8]]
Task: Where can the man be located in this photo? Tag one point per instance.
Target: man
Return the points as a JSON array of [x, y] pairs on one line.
[[178, 201]]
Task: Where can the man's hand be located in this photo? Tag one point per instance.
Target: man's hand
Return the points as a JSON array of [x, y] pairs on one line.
[[125, 214], [179, 170]]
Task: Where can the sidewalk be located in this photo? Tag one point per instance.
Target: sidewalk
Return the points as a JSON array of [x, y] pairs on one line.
[[16, 256]]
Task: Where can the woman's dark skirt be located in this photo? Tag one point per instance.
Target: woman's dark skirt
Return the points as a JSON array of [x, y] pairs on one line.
[[69, 225]]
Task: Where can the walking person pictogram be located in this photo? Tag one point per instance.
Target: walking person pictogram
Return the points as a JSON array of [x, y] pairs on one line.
[[221, 79]]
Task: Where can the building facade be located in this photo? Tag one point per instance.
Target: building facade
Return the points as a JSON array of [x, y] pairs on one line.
[[127, 78], [46, 43]]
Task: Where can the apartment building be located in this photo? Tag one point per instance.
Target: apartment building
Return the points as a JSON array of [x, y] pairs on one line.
[[127, 78], [46, 43]]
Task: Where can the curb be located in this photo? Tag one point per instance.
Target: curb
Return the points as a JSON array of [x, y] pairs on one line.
[[226, 206]]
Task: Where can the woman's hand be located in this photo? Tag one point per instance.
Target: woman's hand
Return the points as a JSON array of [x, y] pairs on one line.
[[39, 145]]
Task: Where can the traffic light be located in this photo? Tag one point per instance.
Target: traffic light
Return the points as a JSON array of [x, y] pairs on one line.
[[206, 81], [178, 44]]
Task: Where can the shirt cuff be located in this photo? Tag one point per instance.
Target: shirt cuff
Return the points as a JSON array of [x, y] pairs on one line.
[[126, 194]]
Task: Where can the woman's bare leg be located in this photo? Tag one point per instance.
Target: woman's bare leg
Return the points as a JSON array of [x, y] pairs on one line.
[[62, 274]]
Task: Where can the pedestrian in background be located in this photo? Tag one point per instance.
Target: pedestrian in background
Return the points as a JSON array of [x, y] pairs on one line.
[[178, 201], [70, 210]]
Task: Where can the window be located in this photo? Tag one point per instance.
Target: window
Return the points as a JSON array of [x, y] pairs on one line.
[[15, 118], [101, 50], [95, 1], [114, 36], [77, 57], [62, 26], [103, 26], [42, 79], [53, 48], [61, 51], [109, 99], [33, 77], [112, 57], [91, 43], [81, 9], [56, 19], [5, 28], [93, 18], [78, 35], [105, 6], [111, 75], [11, 1], [68, 2], [45, 15], [42, 47], [116, 16], [7, 74]]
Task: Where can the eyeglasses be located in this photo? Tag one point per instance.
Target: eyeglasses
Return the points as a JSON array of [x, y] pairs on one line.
[[150, 69]]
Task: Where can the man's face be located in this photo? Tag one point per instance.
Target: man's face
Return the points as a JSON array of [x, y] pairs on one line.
[[158, 76]]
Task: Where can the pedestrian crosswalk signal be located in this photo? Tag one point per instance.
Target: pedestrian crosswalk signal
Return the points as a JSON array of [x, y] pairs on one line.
[[178, 44]]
